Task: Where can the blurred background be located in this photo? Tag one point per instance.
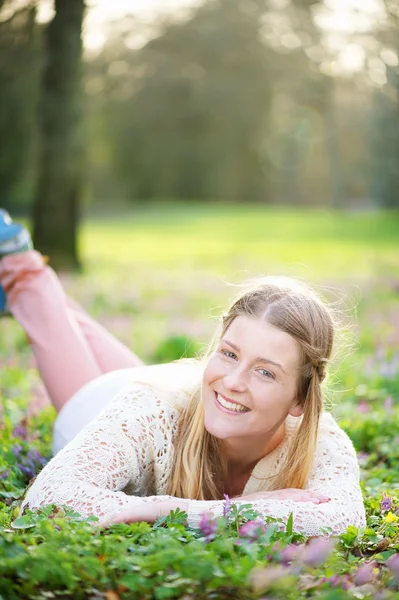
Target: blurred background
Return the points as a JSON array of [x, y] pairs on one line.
[[161, 147], [276, 102]]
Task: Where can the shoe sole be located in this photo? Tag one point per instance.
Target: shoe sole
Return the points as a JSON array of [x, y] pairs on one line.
[[18, 243]]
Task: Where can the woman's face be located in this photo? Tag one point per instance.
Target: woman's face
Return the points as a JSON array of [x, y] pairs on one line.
[[250, 382]]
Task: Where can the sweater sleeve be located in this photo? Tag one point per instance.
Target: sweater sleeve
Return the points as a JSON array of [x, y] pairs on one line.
[[335, 474], [125, 452]]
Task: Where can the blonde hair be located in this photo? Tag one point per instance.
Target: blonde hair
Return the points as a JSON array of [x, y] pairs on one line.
[[200, 463]]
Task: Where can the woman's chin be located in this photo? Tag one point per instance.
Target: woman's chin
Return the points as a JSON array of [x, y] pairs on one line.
[[218, 430]]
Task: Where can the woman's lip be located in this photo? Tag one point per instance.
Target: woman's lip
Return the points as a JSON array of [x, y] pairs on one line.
[[230, 412]]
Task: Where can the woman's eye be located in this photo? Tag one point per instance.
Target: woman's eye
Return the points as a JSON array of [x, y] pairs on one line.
[[229, 354], [266, 373]]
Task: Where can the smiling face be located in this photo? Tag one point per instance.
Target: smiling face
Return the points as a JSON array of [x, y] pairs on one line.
[[250, 385]]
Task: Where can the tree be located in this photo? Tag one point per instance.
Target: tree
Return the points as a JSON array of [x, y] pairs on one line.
[[187, 120], [60, 179], [189, 114], [20, 63], [385, 118]]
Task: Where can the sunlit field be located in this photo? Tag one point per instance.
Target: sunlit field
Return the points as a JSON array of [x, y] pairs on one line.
[[158, 279], [235, 238], [168, 268]]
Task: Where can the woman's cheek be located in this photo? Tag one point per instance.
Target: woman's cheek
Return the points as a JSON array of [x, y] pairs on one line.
[[212, 370]]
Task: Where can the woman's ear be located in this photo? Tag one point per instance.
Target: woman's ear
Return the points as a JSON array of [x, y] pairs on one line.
[[296, 409]]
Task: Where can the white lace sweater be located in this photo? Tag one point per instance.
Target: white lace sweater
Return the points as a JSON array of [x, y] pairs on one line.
[[125, 457]]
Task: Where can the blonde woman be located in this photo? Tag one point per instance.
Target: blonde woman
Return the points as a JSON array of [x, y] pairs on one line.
[[137, 441]]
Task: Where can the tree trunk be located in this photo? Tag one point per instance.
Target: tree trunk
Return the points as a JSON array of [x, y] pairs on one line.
[[59, 191], [333, 151]]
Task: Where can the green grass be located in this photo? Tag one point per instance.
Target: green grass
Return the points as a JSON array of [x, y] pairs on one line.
[[229, 240], [167, 265], [161, 271], [155, 277]]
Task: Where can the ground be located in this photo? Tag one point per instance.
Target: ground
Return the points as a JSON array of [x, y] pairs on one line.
[[157, 278]]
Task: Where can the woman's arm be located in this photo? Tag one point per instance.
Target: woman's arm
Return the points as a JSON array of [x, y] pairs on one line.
[[161, 506], [331, 500], [335, 475], [127, 447]]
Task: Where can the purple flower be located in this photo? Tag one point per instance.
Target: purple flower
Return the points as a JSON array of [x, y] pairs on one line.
[[262, 579], [386, 502], [226, 505], [337, 581], [393, 565], [363, 407], [388, 404], [28, 462], [365, 574], [5, 474], [208, 527], [252, 529], [20, 431], [289, 553], [17, 450], [317, 551]]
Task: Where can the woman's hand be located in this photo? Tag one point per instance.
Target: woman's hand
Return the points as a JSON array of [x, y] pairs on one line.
[[287, 494], [150, 511], [145, 511]]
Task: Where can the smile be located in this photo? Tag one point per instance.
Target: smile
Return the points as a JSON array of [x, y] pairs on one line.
[[230, 406]]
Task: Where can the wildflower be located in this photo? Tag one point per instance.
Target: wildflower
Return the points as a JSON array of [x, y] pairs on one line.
[[386, 502], [226, 505], [391, 518], [208, 527], [341, 581], [362, 458], [365, 574], [17, 450], [393, 565], [252, 529], [20, 431], [289, 553], [388, 368], [388, 404], [30, 462], [317, 551], [363, 407], [262, 579], [5, 474]]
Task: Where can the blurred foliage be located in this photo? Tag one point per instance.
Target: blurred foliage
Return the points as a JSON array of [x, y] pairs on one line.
[[234, 102], [175, 347], [20, 65], [197, 104]]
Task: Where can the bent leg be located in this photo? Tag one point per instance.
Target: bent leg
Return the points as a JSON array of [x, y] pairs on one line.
[[64, 356], [109, 352]]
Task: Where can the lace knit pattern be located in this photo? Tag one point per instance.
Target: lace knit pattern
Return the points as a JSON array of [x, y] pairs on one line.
[[124, 457]]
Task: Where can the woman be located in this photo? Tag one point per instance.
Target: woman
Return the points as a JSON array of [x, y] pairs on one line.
[[247, 421]]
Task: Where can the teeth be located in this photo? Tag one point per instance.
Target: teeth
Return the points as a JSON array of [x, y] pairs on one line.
[[231, 405]]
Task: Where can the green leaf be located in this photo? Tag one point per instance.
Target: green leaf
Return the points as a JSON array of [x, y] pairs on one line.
[[290, 524], [23, 523]]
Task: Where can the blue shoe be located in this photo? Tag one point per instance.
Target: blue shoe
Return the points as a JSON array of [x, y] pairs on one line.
[[3, 303], [14, 238]]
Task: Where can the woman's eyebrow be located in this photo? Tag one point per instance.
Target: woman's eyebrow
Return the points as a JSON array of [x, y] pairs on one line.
[[258, 358]]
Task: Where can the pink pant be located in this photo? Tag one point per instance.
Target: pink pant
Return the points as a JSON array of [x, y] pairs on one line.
[[70, 348]]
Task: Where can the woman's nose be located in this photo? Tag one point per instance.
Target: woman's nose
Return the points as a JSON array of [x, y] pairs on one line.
[[235, 380]]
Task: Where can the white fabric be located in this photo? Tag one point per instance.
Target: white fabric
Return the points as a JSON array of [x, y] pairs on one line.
[[125, 456], [86, 404]]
